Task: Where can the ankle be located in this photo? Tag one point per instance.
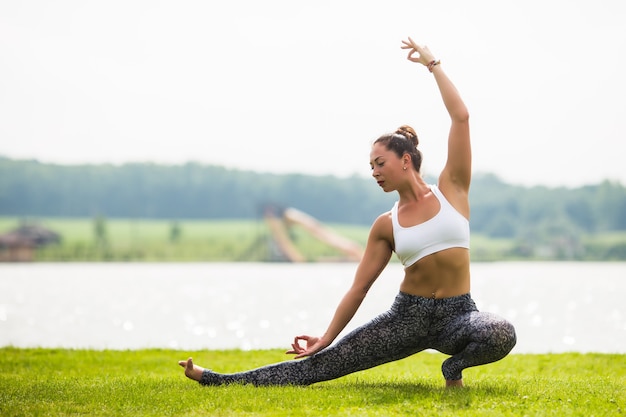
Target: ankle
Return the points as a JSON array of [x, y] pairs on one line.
[[454, 383]]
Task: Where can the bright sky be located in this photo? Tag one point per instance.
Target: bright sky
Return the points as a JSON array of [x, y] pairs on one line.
[[287, 86]]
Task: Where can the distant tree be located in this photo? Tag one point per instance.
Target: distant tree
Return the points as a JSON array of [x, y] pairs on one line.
[[197, 191], [175, 232], [100, 232]]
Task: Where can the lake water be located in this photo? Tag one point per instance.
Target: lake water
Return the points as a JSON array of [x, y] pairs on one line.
[[555, 307]]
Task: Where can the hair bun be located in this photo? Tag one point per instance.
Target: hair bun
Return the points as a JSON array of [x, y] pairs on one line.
[[409, 133]]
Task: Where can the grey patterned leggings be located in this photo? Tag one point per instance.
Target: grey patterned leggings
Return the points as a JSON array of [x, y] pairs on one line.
[[453, 326]]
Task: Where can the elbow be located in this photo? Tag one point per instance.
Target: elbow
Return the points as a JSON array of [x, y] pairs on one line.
[[462, 116]]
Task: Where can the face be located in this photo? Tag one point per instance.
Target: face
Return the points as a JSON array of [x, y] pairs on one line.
[[386, 167]]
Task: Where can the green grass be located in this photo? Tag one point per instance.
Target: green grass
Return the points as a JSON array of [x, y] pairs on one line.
[[149, 382]]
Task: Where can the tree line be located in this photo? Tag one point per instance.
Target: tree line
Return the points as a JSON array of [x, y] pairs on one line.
[[30, 188]]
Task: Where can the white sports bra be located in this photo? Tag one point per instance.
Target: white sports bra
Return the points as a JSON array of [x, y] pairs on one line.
[[447, 229]]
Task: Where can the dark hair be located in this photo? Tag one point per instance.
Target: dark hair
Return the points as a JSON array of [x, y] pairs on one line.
[[403, 140]]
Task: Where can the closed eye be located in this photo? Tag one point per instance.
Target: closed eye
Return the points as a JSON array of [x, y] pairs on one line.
[[377, 162]]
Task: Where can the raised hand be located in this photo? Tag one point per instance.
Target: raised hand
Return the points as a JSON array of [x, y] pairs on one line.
[[424, 56]]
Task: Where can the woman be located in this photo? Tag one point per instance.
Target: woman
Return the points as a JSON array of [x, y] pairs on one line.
[[428, 229]]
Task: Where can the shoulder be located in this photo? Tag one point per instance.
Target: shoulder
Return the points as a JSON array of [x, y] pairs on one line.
[[380, 239], [382, 227], [382, 219]]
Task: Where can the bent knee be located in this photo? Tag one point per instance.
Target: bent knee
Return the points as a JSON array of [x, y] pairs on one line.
[[504, 336]]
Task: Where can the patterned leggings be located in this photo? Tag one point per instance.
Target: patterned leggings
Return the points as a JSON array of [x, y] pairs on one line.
[[453, 326]]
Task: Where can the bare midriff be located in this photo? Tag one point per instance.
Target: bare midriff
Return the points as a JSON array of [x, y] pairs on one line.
[[440, 275]]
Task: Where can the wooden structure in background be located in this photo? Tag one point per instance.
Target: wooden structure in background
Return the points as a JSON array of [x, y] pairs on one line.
[[19, 245]]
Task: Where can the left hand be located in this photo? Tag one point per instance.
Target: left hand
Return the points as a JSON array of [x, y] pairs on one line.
[[424, 56], [313, 345]]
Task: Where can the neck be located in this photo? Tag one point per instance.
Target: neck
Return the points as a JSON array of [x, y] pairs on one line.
[[414, 191]]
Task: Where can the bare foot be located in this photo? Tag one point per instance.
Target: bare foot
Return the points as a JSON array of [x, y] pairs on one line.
[[451, 383], [191, 371]]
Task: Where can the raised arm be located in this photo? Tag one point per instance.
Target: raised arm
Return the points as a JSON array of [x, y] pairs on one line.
[[457, 173], [376, 256]]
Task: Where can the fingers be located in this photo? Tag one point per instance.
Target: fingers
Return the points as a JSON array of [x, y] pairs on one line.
[[295, 346], [301, 352], [410, 44], [413, 49], [304, 353], [417, 53], [309, 351]]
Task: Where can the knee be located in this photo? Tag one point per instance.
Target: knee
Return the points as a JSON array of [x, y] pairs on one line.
[[505, 336]]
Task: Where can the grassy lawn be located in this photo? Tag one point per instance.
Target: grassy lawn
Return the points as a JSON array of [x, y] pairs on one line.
[[149, 382]]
